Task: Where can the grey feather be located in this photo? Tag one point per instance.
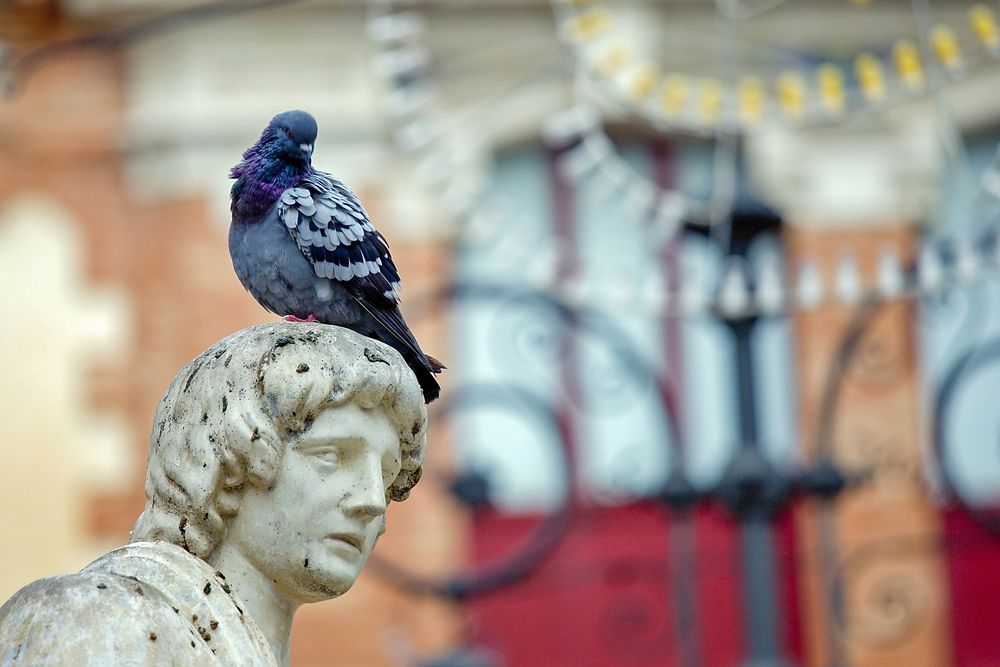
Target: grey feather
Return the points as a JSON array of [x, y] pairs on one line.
[[323, 215]]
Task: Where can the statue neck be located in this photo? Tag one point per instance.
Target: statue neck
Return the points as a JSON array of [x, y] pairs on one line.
[[267, 606]]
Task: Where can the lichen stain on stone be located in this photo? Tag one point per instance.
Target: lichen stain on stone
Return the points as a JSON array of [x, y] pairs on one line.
[[374, 357], [302, 368], [182, 527], [152, 636], [190, 378], [208, 588]]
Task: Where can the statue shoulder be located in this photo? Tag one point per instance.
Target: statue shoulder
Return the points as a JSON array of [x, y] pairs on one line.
[[96, 619], [148, 603]]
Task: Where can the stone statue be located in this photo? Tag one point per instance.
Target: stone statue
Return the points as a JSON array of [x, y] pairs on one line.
[[272, 459]]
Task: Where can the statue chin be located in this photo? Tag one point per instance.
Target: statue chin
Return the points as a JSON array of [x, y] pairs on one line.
[[331, 574], [258, 501], [324, 585]]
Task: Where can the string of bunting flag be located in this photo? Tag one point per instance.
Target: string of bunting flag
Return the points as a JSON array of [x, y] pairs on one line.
[[768, 287], [590, 160], [818, 94]]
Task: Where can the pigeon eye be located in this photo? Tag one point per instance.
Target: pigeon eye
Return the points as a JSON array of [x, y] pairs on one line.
[[288, 133]]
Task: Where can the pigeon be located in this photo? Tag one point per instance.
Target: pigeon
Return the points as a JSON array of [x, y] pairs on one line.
[[303, 246]]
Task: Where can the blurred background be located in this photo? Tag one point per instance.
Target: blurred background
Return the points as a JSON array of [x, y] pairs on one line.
[[716, 284]]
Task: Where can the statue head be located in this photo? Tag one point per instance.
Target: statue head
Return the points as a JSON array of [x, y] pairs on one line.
[[302, 422]]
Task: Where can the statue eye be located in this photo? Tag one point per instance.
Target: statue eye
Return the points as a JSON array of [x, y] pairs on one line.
[[324, 454]]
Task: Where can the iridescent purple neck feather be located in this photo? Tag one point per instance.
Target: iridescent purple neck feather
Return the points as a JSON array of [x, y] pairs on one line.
[[264, 173]]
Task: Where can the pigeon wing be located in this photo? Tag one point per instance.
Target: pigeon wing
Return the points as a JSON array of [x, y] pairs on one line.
[[333, 231]]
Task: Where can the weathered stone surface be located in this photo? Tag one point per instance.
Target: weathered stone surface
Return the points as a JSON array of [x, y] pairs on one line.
[[272, 459], [143, 603]]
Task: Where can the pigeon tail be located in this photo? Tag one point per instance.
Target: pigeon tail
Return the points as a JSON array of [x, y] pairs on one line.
[[390, 328], [424, 369], [436, 366]]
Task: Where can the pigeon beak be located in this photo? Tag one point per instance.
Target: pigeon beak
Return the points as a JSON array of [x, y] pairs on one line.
[[307, 149]]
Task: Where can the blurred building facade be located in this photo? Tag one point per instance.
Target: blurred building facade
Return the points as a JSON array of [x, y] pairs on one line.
[[113, 216]]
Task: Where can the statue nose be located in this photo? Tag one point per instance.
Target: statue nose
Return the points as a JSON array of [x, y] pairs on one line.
[[367, 510], [367, 499]]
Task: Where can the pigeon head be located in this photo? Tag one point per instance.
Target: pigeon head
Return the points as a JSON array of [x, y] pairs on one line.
[[292, 135], [279, 160]]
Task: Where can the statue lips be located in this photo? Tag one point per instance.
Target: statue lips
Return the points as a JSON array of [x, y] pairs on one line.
[[355, 540]]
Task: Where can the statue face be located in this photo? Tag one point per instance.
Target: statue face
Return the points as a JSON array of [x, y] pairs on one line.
[[311, 532]]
